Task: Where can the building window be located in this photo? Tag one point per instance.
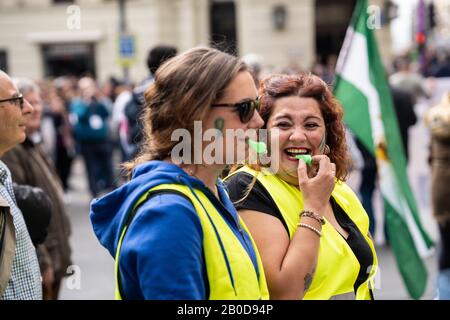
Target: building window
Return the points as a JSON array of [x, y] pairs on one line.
[[223, 26], [62, 59], [332, 19], [3, 61], [62, 1]]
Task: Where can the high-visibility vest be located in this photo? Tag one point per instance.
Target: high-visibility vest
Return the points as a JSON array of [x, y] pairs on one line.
[[337, 266], [230, 270]]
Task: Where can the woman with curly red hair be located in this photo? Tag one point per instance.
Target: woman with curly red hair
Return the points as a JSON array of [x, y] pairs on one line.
[[310, 228]]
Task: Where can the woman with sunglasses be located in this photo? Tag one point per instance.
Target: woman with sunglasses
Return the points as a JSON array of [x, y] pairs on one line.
[[310, 228], [172, 229]]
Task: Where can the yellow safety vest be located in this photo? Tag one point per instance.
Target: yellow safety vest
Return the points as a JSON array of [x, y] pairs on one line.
[[230, 271], [337, 266]]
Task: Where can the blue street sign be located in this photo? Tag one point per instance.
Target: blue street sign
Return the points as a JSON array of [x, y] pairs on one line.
[[126, 49]]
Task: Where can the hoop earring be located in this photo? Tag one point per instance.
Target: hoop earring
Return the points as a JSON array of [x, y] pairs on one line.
[[326, 150]]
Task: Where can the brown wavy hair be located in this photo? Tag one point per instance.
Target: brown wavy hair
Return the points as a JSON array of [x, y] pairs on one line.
[[277, 86], [184, 89]]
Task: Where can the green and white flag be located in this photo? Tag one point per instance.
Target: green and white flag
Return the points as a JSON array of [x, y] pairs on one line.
[[362, 88]]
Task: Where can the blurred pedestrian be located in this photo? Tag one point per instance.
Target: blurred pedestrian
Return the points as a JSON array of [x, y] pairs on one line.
[[119, 125], [438, 120], [407, 78], [59, 106], [133, 110], [30, 165], [172, 229], [155, 58], [439, 66], [25, 278], [90, 120]]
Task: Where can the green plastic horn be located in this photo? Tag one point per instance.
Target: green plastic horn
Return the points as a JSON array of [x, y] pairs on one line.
[[259, 147], [305, 157]]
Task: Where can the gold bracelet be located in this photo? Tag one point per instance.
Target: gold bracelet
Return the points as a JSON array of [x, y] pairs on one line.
[[310, 214], [316, 231]]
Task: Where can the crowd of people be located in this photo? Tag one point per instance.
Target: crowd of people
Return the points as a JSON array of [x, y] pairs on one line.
[[234, 229]]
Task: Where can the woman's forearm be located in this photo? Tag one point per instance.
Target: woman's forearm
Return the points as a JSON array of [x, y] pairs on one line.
[[297, 268]]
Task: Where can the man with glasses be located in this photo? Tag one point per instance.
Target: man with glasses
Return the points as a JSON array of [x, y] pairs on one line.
[[30, 165], [25, 277]]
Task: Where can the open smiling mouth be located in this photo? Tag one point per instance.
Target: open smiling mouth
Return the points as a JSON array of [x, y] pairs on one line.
[[292, 152]]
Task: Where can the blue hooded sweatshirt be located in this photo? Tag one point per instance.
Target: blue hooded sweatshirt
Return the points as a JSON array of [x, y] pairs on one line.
[[162, 253]]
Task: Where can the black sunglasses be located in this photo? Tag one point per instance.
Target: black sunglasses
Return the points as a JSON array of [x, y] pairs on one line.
[[246, 108], [18, 99]]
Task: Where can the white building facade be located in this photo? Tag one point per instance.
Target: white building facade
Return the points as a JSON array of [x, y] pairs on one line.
[[39, 38]]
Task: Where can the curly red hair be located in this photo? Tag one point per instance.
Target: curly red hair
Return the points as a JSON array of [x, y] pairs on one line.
[[277, 86]]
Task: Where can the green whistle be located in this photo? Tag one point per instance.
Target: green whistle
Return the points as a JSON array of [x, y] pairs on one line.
[[305, 157], [259, 147]]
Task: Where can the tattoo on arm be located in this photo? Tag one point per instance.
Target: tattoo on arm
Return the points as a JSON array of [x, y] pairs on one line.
[[308, 280]]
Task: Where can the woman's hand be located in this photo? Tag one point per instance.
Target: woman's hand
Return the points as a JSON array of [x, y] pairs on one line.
[[317, 185]]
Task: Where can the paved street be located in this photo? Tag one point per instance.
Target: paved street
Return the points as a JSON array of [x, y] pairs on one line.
[[96, 266]]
